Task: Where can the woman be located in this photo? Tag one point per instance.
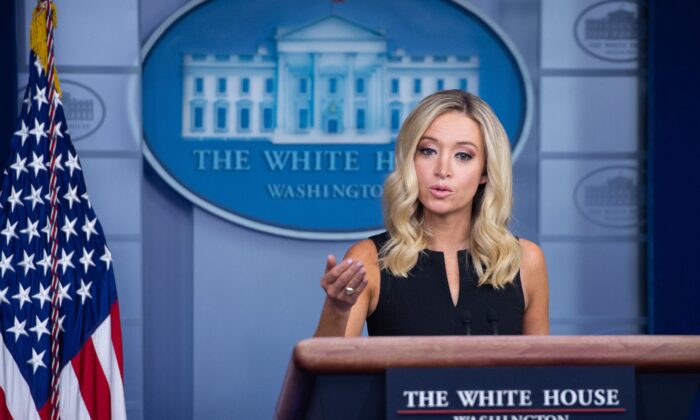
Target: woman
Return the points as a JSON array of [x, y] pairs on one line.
[[447, 263]]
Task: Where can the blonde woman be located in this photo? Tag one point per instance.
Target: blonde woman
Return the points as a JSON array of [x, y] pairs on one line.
[[447, 264]]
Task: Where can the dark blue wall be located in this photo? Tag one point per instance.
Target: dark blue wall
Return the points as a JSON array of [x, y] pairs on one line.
[[8, 78], [674, 167]]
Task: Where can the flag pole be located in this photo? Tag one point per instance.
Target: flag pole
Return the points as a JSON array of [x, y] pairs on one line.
[[44, 49]]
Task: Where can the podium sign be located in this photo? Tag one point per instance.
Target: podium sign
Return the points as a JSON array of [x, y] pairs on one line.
[[511, 393]]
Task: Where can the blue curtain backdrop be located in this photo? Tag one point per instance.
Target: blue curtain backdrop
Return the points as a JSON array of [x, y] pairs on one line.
[[673, 178], [8, 76]]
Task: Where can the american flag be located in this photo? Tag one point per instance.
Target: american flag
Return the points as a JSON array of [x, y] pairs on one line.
[[72, 254]]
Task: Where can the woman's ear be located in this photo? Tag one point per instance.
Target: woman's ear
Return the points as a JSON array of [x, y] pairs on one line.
[[484, 179]]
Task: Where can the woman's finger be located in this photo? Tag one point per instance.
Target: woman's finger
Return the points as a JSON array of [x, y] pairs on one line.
[[357, 291], [357, 278], [355, 282], [332, 275], [349, 270], [330, 263], [328, 278]]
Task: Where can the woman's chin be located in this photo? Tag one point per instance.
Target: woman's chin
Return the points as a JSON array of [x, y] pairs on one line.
[[443, 210]]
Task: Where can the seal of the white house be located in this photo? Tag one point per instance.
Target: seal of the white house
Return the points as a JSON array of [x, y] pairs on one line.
[[84, 108], [282, 116], [612, 196], [609, 30]]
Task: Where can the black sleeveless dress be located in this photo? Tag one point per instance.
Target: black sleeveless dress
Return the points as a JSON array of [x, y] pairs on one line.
[[421, 304]]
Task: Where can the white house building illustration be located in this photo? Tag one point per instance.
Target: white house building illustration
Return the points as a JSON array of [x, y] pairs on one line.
[[330, 81]]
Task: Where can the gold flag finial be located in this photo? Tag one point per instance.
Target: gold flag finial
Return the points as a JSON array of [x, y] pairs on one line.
[[38, 36]]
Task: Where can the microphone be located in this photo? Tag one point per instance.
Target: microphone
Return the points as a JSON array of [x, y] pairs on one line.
[[492, 316], [467, 321]]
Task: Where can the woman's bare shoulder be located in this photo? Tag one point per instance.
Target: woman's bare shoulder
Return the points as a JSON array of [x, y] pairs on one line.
[[364, 250], [532, 255], [533, 276]]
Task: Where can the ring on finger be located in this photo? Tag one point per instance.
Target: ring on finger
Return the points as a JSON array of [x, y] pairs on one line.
[[349, 291]]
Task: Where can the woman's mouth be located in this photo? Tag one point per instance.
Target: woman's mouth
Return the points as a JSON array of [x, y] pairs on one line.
[[440, 191]]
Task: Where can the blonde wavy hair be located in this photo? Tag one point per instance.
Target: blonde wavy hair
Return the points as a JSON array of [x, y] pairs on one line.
[[494, 251]]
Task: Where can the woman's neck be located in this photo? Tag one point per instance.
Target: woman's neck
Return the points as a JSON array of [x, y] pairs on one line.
[[448, 233]]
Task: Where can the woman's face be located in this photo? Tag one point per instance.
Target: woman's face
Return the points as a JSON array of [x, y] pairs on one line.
[[449, 162]]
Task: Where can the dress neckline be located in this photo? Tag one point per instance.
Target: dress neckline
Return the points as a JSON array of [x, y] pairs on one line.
[[459, 252], [437, 258]]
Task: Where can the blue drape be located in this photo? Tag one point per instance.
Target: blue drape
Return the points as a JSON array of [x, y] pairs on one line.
[[8, 78], [673, 167]]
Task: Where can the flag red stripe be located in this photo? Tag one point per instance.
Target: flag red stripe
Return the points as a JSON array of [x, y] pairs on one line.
[[93, 384], [117, 336], [4, 411], [45, 412]]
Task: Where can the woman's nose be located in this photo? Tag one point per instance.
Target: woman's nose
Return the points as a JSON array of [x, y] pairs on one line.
[[442, 169]]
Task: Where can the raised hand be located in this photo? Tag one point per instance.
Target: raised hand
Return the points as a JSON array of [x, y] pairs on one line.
[[343, 282]]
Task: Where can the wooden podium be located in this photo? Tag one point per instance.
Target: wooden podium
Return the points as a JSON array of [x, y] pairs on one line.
[[343, 378]]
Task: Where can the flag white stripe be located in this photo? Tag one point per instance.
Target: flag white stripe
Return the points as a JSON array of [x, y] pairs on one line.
[[71, 401], [102, 340], [18, 397]]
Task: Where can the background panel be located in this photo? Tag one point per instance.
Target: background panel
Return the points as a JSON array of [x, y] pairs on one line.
[[126, 256], [114, 186], [89, 33], [132, 335], [595, 283], [589, 115], [246, 322], [598, 326], [102, 110], [563, 49], [591, 198]]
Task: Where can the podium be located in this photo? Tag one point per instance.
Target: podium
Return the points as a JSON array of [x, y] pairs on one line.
[[344, 378]]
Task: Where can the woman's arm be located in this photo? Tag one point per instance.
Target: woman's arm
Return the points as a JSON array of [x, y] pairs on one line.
[[533, 275], [343, 314]]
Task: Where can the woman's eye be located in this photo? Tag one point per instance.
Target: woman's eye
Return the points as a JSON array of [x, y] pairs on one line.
[[426, 151], [463, 156]]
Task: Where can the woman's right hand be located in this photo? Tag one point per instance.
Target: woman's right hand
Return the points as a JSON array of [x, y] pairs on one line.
[[343, 282]]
